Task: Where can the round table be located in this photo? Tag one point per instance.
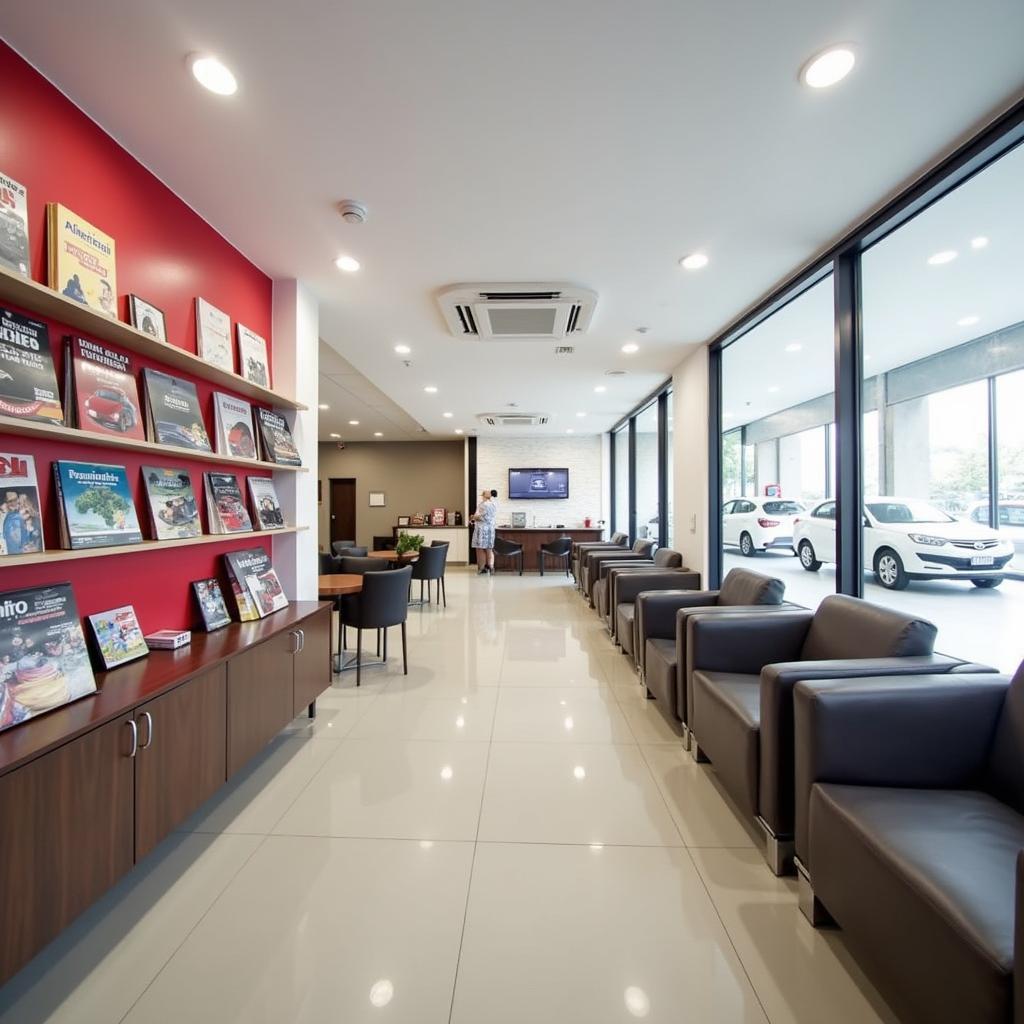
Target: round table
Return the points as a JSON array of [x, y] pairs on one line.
[[392, 555], [338, 583]]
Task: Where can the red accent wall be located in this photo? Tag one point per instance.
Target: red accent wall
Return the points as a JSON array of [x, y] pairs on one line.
[[168, 255]]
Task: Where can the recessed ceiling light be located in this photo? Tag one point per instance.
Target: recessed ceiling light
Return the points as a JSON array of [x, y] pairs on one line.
[[377, 433], [629, 348], [403, 350], [430, 389], [447, 415], [828, 67], [347, 263], [945, 256], [580, 415], [979, 243], [695, 261], [967, 321], [323, 405], [211, 74], [772, 391], [353, 423], [335, 435], [794, 346], [570, 431], [600, 389], [458, 430]]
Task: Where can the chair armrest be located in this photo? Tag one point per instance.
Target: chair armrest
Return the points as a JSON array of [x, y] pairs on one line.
[[628, 585], [606, 566], [745, 641], [656, 612]]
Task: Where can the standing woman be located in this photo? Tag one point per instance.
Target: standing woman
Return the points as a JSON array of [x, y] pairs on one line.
[[483, 532]]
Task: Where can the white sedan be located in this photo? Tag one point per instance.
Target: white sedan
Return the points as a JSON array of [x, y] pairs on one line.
[[757, 524], [906, 539]]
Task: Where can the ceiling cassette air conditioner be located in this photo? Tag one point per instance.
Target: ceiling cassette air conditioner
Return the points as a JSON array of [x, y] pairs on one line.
[[517, 312]]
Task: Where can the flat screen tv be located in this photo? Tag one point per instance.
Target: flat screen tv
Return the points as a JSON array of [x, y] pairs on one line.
[[538, 483]]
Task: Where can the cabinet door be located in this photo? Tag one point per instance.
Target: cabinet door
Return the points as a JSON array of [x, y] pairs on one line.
[[260, 696], [313, 662], [182, 755], [65, 837]]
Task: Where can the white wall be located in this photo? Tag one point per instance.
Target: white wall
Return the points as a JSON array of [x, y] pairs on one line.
[[690, 460], [582, 456]]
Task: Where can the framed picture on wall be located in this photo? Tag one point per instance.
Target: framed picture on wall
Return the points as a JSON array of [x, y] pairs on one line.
[[147, 318], [403, 520], [377, 499]]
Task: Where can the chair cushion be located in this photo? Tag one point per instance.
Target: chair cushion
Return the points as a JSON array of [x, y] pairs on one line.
[[847, 627], [742, 586], [625, 616], [643, 548], [922, 882], [660, 673], [1005, 775], [666, 558], [598, 595]]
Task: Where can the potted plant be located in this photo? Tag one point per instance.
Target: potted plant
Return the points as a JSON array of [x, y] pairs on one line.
[[408, 542]]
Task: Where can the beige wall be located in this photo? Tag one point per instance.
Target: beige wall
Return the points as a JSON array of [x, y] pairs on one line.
[[414, 475], [690, 459]]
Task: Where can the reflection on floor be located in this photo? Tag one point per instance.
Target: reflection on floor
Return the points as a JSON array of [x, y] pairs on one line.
[[510, 833]]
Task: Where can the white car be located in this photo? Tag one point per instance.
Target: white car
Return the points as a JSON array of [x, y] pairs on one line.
[[907, 539], [757, 524], [1011, 521]]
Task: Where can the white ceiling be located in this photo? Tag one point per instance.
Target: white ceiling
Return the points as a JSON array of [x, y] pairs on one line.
[[521, 141]]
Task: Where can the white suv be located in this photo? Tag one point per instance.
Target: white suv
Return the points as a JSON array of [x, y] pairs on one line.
[[757, 524], [906, 539]]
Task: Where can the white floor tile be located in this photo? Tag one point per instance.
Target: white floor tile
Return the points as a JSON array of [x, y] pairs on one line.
[[647, 722], [407, 715], [561, 714]]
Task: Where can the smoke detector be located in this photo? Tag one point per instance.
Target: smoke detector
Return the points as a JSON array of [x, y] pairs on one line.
[[352, 212]]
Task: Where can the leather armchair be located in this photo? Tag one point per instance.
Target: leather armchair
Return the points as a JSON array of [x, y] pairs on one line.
[[628, 586], [642, 550], [617, 540], [911, 825], [663, 558]]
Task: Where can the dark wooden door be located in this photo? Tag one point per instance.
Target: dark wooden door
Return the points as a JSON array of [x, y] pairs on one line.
[[260, 697], [343, 509], [182, 755], [66, 836], [313, 662]]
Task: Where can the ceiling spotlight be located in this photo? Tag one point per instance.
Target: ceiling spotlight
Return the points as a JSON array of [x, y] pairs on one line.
[[430, 389], [403, 350], [211, 74], [580, 415], [828, 67], [570, 431], [377, 433], [323, 405], [353, 423], [347, 263], [335, 435], [459, 430], [600, 389], [772, 391], [794, 346], [629, 348], [447, 415], [945, 256], [979, 243], [967, 321], [695, 261]]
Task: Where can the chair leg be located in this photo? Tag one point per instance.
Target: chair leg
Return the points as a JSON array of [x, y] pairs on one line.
[[540, 558], [359, 656], [385, 643], [405, 653], [421, 591], [444, 596], [378, 643]]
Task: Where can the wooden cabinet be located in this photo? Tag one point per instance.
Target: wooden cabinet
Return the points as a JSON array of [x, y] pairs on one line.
[[66, 836], [181, 760], [313, 661]]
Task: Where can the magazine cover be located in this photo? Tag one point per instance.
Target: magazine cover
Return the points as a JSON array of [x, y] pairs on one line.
[[103, 397], [82, 260], [234, 426], [256, 572], [212, 609], [225, 506], [117, 636], [44, 662], [21, 527], [147, 318], [28, 383], [173, 413], [265, 503], [13, 225], [173, 510], [213, 336], [278, 445], [244, 604], [96, 506], [252, 357]]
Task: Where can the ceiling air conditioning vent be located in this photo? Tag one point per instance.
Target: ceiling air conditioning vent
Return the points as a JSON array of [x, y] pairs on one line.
[[517, 312], [520, 419]]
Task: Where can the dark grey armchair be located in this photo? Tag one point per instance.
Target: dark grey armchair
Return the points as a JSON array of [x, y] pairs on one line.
[[910, 826], [579, 548], [663, 558], [642, 550], [627, 587]]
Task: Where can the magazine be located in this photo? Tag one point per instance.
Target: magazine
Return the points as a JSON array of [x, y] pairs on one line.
[[13, 225], [117, 637], [265, 504], [225, 506], [255, 571], [212, 608], [146, 317], [173, 415], [101, 392], [233, 426], [82, 260], [252, 357], [44, 662], [173, 511], [244, 604], [21, 526], [276, 439], [95, 505], [28, 383], [213, 336]]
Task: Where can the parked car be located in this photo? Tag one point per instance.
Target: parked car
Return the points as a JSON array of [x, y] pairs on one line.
[[111, 407], [907, 539], [759, 524], [1011, 520]]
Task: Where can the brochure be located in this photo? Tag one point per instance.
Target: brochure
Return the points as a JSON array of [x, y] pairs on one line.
[[173, 512], [212, 608], [173, 415], [21, 526], [28, 383], [233, 426], [265, 504], [13, 225], [252, 357], [82, 260], [276, 439], [95, 505], [117, 637], [213, 335], [102, 394]]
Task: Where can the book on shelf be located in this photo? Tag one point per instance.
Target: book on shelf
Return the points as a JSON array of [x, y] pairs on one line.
[[28, 382], [82, 260], [252, 357], [254, 571], [276, 442], [44, 661], [244, 604], [212, 609], [173, 415], [213, 335], [117, 638], [94, 505], [266, 505], [101, 391], [173, 510], [233, 426], [225, 506], [13, 225], [169, 639], [21, 526]]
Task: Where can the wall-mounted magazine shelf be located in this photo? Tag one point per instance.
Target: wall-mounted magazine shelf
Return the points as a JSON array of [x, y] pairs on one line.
[[60, 555], [55, 432], [36, 298]]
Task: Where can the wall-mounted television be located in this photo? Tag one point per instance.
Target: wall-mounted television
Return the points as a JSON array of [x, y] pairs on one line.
[[538, 483]]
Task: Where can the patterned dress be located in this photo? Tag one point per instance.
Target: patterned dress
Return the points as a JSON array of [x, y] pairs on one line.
[[483, 532]]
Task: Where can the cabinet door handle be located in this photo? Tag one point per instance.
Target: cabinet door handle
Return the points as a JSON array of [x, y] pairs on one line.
[[295, 636], [135, 737], [302, 640], [149, 731]]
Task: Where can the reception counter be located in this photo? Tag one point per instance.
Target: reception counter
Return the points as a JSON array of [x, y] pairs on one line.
[[531, 539], [457, 537]]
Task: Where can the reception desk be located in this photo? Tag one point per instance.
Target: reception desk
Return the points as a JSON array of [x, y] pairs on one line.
[[457, 537], [531, 539]]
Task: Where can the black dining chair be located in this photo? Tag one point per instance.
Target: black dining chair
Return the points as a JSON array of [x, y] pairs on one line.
[[356, 566], [560, 548], [328, 564], [383, 602], [340, 547], [355, 550], [429, 566], [509, 549]]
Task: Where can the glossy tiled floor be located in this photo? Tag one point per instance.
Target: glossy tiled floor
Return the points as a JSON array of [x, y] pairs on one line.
[[510, 833]]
